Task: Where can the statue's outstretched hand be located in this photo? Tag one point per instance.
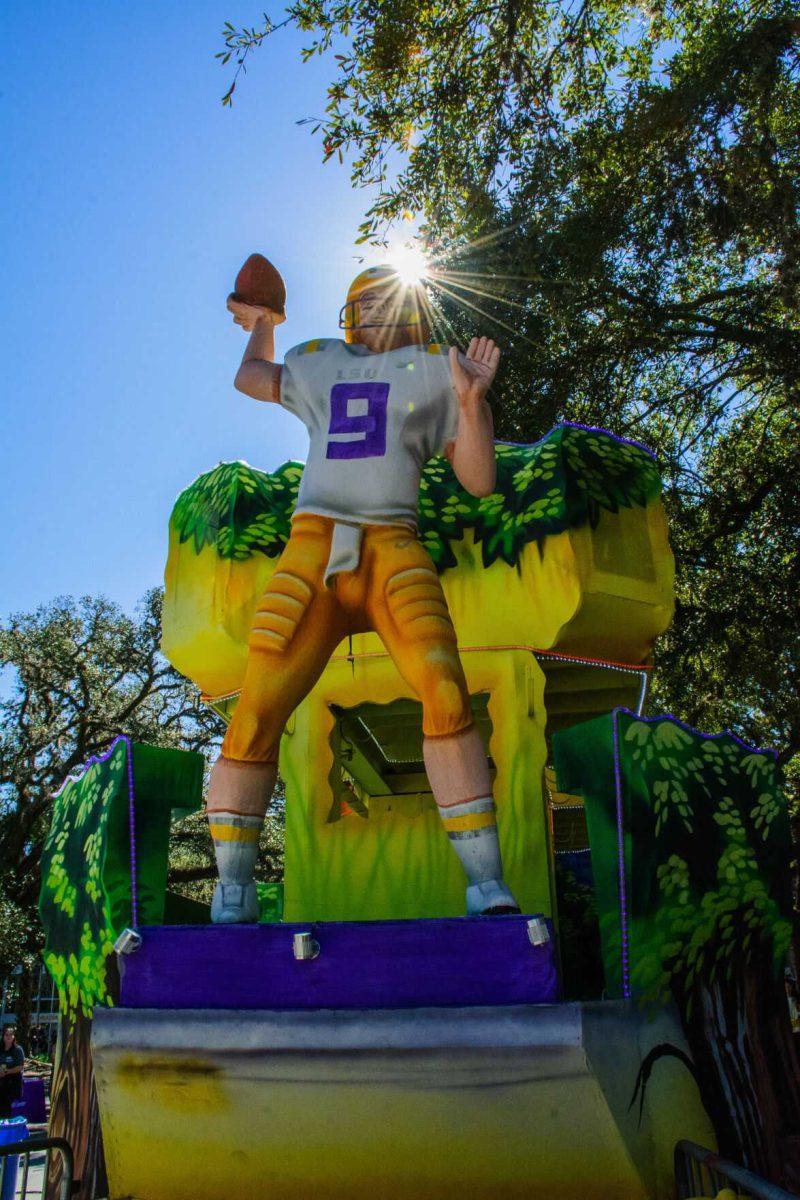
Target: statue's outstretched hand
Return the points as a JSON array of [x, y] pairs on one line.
[[473, 373], [248, 315]]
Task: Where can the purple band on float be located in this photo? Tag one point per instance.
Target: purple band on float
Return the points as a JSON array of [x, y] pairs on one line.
[[464, 961], [132, 834], [623, 890], [90, 762], [615, 437], [704, 737]]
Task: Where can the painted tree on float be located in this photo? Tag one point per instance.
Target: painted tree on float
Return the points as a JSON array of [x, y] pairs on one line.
[[104, 867], [707, 913]]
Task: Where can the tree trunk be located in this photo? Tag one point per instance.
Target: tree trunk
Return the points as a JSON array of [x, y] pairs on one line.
[[741, 1041], [74, 1113], [774, 1053]]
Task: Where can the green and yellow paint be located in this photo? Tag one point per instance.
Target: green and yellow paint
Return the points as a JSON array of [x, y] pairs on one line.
[[555, 582], [567, 559], [699, 911], [104, 867]]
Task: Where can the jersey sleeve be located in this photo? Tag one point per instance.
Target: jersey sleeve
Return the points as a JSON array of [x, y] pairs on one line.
[[295, 395], [305, 378]]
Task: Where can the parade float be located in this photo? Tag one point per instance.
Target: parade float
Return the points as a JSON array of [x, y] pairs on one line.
[[375, 1040]]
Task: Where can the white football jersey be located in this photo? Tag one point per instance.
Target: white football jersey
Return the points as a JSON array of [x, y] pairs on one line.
[[374, 420]]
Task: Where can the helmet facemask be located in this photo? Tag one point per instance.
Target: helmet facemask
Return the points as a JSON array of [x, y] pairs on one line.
[[388, 303]]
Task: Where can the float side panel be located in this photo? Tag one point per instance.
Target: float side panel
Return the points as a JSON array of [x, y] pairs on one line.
[[445, 1122]]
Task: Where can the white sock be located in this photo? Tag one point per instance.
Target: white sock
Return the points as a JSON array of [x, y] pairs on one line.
[[235, 845], [472, 830]]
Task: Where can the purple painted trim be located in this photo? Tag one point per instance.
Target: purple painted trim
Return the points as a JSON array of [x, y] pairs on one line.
[[462, 961], [616, 437], [705, 737], [623, 895], [132, 834], [90, 762], [79, 774]]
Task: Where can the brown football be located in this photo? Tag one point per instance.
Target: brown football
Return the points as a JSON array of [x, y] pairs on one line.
[[260, 283]]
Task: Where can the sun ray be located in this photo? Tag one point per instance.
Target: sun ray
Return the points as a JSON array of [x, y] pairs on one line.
[[494, 275], [495, 320], [482, 242], [438, 321], [478, 292]]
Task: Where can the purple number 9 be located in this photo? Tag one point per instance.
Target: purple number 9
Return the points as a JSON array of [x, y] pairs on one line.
[[372, 424]]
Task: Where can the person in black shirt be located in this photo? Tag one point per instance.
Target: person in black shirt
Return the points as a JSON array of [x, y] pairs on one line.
[[12, 1060]]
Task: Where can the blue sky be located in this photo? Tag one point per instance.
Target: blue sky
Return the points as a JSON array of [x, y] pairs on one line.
[[130, 199]]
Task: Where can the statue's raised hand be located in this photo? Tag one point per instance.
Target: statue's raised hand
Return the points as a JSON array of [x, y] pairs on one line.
[[248, 315], [474, 372]]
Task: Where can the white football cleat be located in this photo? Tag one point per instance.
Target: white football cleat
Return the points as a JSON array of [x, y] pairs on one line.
[[235, 904], [490, 898]]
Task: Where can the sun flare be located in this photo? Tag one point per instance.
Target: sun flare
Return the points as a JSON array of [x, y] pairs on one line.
[[410, 262]]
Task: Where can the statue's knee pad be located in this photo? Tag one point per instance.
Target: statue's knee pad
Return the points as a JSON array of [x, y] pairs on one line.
[[280, 612], [445, 706], [254, 734], [416, 602]]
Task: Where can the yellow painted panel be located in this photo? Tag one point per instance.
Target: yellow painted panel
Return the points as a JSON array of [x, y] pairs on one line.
[[606, 592], [398, 863], [316, 1127], [603, 592], [209, 604]]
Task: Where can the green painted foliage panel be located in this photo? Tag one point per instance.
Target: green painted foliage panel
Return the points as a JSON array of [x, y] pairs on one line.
[[73, 904], [86, 898], [707, 849], [561, 482]]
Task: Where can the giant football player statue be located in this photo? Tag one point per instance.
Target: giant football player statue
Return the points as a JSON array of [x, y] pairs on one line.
[[377, 406]]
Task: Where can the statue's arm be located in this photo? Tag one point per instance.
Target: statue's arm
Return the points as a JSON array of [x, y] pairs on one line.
[[259, 375], [472, 453]]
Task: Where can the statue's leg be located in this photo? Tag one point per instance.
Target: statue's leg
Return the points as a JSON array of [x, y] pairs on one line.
[[409, 611], [238, 796], [297, 625]]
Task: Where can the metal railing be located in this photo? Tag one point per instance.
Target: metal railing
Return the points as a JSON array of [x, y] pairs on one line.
[[700, 1172], [36, 1146]]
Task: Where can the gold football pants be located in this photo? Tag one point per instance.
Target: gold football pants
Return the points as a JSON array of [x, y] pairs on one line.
[[299, 622]]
